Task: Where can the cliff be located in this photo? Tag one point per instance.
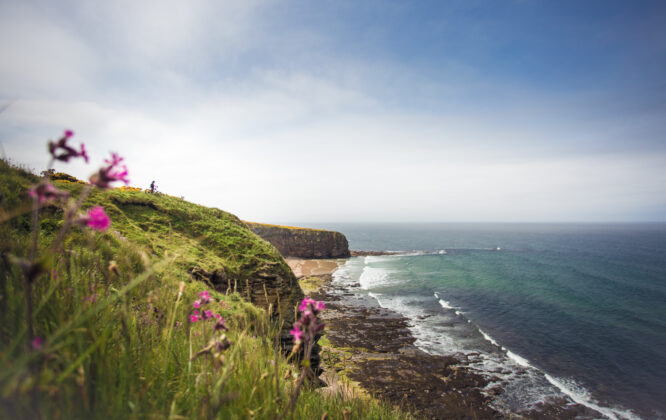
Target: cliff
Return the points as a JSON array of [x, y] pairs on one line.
[[303, 242], [207, 244]]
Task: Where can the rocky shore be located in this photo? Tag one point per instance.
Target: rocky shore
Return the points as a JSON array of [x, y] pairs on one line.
[[373, 348]]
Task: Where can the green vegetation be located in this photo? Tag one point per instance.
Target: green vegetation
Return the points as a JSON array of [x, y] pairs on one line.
[[285, 227], [310, 284], [110, 315]]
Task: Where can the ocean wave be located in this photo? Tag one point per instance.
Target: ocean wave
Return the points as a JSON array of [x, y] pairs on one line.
[[489, 338], [581, 396], [516, 358], [373, 277], [445, 304]]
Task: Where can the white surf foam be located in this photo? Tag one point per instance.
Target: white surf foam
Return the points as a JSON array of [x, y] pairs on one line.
[[518, 359], [429, 339], [445, 304], [410, 254], [581, 396], [373, 277], [489, 338]]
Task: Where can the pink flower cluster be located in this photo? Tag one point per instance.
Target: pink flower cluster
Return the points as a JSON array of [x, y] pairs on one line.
[[62, 151], [96, 219], [44, 191], [308, 325], [113, 171], [204, 299]]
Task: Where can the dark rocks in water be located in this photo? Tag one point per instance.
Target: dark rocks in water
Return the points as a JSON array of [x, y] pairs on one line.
[[371, 253], [303, 242]]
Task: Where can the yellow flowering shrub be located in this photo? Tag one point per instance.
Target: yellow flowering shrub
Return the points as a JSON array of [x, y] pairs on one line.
[[131, 189], [63, 177]]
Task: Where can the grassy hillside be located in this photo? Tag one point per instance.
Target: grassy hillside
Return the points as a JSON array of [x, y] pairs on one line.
[[214, 244], [111, 312]]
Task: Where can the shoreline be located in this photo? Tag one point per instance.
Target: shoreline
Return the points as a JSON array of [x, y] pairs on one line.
[[373, 348]]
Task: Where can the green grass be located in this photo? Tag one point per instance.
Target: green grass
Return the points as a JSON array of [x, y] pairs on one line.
[[117, 341]]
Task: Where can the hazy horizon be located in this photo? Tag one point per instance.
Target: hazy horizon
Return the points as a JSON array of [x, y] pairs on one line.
[[430, 112]]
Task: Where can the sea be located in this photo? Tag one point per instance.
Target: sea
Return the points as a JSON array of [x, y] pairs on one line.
[[547, 310]]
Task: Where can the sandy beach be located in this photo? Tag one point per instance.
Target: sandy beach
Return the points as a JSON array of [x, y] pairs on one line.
[[305, 268]]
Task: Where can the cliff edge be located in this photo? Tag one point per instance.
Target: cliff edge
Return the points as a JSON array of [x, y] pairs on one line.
[[303, 242]]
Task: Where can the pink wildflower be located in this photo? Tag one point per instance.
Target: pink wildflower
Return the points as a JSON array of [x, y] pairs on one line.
[[197, 304], [220, 324], [205, 297], [218, 316], [83, 153], [305, 303], [45, 191], [114, 171], [194, 317], [37, 343], [178, 325], [62, 151], [207, 314], [308, 325], [97, 219], [297, 333]]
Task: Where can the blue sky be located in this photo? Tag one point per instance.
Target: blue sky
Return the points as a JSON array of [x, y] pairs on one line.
[[353, 111]]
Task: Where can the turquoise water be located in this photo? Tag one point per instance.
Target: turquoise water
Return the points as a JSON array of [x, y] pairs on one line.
[[556, 309]]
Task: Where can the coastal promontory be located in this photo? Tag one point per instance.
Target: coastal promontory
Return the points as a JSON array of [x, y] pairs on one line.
[[303, 242]]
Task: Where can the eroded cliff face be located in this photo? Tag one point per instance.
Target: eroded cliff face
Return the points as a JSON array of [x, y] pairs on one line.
[[271, 286], [303, 242]]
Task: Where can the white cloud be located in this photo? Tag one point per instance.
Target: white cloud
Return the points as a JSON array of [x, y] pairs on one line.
[[306, 140], [41, 58]]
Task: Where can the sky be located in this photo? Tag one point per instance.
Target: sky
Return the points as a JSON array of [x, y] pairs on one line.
[[352, 111]]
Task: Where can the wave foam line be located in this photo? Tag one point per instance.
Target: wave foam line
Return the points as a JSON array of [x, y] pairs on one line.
[[580, 396], [444, 303], [489, 338], [583, 398], [375, 296]]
